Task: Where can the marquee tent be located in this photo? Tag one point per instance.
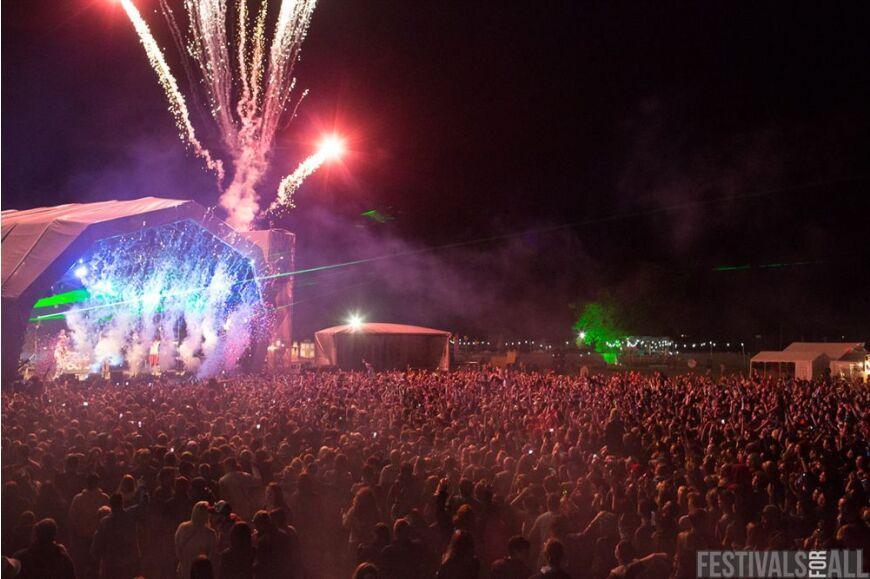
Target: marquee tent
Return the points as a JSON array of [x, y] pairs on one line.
[[384, 346], [801, 365], [808, 360], [833, 350], [847, 359]]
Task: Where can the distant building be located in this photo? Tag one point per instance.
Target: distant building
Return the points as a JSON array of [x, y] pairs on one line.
[[648, 345]]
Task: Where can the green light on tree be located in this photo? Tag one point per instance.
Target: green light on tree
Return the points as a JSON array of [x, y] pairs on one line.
[[597, 327]]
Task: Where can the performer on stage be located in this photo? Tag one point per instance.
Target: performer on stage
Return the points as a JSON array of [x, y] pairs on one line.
[[153, 354]]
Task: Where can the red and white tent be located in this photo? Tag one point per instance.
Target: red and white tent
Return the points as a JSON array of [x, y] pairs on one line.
[[384, 346]]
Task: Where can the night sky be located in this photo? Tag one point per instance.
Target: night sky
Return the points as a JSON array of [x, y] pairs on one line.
[[530, 156]]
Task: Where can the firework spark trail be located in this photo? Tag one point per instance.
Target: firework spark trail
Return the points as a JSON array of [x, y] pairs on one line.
[[258, 56], [294, 18], [178, 40], [262, 86], [293, 181], [208, 26], [177, 104], [242, 56]]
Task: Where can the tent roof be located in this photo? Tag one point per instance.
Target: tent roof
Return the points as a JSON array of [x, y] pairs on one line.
[[833, 350], [34, 239], [772, 356], [376, 328]]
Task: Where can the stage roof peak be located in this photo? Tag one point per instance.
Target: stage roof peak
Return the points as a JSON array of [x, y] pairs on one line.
[[34, 239]]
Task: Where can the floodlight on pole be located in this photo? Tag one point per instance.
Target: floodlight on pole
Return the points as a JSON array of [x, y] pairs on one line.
[[355, 321]]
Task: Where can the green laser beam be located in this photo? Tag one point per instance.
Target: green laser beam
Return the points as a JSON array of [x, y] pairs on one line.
[[47, 317], [328, 293], [770, 265], [70, 297], [376, 215], [591, 221], [643, 212], [135, 300], [764, 265]]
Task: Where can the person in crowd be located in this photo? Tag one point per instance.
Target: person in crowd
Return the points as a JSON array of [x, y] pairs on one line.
[[51, 505], [366, 571], [44, 558], [459, 561], [275, 499], [201, 568], [115, 547], [554, 552], [362, 518], [307, 507], [22, 534], [14, 506], [540, 530], [371, 552], [127, 490], [84, 518], [516, 564], [194, 538], [651, 566], [273, 554], [70, 480], [237, 560], [404, 556], [240, 488], [222, 521], [177, 505]]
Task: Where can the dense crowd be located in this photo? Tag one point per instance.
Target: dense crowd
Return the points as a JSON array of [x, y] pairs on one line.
[[467, 474]]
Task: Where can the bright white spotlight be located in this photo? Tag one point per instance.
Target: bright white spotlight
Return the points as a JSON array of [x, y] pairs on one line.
[[81, 271], [355, 322], [331, 147], [582, 336]]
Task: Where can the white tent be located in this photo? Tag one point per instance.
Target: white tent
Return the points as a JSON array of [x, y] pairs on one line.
[[847, 359], [382, 345], [833, 350], [801, 365]]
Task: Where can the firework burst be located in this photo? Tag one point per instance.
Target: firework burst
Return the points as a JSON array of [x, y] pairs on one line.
[[246, 82]]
